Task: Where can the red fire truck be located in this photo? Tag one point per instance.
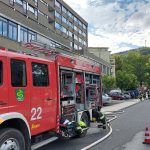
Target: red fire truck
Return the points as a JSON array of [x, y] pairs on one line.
[[43, 98]]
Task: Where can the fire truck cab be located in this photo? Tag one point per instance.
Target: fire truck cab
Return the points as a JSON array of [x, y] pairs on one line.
[[38, 93]]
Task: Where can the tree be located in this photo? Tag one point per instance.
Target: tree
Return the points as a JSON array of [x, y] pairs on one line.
[[126, 81], [147, 74], [136, 64], [109, 82]]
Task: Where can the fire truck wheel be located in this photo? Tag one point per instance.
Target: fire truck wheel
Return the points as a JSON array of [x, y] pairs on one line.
[[11, 139]]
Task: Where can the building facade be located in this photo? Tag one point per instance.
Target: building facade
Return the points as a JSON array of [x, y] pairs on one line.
[[50, 22], [103, 55]]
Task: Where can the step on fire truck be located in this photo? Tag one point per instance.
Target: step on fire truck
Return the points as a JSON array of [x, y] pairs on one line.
[[42, 98]]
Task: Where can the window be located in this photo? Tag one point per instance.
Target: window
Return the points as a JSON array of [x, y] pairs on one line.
[[25, 6], [64, 19], [1, 73], [58, 15], [35, 2], [64, 9], [64, 30], [80, 23], [57, 26], [57, 4], [70, 34], [1, 27], [71, 44], [70, 14], [80, 48], [70, 24], [33, 10], [27, 35], [84, 26], [31, 36], [75, 37], [8, 29], [43, 14], [75, 46], [12, 31], [23, 34], [80, 31], [84, 34], [75, 19], [75, 28], [11, 2], [80, 40], [18, 73], [40, 74], [84, 43], [20, 2]]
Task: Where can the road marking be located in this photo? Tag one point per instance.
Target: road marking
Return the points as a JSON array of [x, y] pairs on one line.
[[99, 141]]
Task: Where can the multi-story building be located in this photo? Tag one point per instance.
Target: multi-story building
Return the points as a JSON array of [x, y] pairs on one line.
[[103, 55], [50, 22]]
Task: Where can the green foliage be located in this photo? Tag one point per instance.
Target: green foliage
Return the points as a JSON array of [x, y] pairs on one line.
[[133, 67], [108, 82], [125, 80]]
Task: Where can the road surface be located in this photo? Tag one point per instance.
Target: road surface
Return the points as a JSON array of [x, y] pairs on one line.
[[128, 129]]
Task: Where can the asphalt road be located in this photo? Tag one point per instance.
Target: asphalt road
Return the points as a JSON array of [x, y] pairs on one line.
[[128, 129], [76, 143]]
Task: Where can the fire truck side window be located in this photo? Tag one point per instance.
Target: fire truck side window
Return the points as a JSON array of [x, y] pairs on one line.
[[18, 73], [40, 74], [1, 73]]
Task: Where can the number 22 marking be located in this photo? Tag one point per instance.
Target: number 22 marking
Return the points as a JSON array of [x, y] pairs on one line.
[[36, 113]]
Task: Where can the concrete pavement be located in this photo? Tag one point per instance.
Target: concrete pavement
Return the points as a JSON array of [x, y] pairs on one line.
[[119, 106], [136, 143]]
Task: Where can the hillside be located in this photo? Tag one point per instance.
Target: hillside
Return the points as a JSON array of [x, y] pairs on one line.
[[143, 50]]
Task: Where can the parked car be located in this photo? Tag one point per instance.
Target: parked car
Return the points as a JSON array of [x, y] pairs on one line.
[[117, 96], [132, 94], [127, 95], [106, 99]]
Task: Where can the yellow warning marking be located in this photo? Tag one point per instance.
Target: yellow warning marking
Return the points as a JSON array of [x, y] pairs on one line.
[[35, 126]]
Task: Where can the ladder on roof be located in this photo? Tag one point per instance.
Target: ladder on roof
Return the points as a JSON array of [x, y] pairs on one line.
[[42, 48]]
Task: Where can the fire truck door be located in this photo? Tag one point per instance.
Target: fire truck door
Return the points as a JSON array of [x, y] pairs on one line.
[[43, 96], [3, 85], [19, 93]]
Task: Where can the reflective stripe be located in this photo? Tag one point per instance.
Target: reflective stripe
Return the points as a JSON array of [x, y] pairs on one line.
[[1, 120], [82, 124], [102, 117], [79, 128]]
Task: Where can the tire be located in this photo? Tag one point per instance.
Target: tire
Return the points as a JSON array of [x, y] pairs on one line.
[[11, 139], [85, 119]]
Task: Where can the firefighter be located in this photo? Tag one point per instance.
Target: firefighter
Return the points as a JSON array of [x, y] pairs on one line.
[[98, 116]]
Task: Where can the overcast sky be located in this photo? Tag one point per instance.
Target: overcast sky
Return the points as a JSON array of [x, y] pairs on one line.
[[117, 24]]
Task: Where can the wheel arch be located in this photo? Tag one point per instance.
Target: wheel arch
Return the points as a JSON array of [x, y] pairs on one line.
[[17, 121]]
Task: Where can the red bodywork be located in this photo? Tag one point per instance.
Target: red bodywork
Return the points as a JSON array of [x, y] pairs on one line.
[[41, 105]]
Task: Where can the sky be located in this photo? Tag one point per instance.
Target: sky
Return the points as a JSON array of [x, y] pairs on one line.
[[118, 24]]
